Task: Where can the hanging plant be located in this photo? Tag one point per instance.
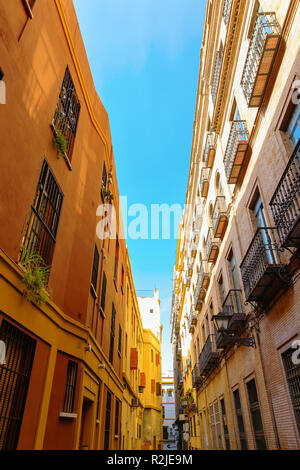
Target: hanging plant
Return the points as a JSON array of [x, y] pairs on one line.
[[108, 196], [60, 143], [36, 276]]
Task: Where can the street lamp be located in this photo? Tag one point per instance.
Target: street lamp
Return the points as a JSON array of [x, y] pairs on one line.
[[221, 322]]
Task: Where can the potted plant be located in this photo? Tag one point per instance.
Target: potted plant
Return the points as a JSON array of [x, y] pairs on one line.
[[108, 196], [60, 143], [36, 276]]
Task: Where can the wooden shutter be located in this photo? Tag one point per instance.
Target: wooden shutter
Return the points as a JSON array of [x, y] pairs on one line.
[[133, 359], [152, 386], [158, 389], [157, 359], [142, 379]]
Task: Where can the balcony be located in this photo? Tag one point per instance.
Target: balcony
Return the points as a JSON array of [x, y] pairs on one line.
[[285, 203], [212, 246], [208, 360], [233, 307], [219, 217], [236, 150], [202, 285], [261, 267], [261, 54], [216, 75], [209, 150], [192, 321], [204, 182]]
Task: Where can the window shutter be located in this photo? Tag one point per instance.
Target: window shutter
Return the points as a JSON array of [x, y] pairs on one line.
[[157, 359], [133, 359], [158, 389], [152, 386], [143, 379]]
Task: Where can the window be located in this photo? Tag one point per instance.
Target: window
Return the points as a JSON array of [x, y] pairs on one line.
[[112, 334], [43, 222], [158, 389], [292, 371], [221, 289], [233, 271], [116, 261], [98, 401], [103, 293], [170, 393], [240, 421], [216, 426], [152, 386], [67, 112], [70, 388], [126, 344], [151, 310], [293, 127], [95, 269], [165, 433], [104, 176], [120, 341], [117, 420], [151, 355], [29, 4], [256, 416], [14, 382], [122, 279], [107, 421], [225, 426]]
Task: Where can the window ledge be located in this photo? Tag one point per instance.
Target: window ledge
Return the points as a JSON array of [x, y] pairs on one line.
[[63, 414]]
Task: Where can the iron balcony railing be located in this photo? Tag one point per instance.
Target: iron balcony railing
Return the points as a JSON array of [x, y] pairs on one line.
[[211, 246], [202, 284], [192, 320], [233, 307], [226, 11], [285, 203], [209, 150], [219, 217], [260, 266], [216, 75], [262, 50], [236, 149], [204, 182], [208, 360]]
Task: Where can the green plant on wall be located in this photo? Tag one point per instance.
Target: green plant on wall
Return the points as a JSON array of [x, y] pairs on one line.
[[190, 397], [36, 276], [108, 196], [60, 143]]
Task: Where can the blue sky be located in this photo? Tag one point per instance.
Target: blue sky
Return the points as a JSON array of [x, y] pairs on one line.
[[144, 56]]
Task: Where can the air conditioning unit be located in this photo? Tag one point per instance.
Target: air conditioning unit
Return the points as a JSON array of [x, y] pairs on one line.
[[135, 402], [183, 417]]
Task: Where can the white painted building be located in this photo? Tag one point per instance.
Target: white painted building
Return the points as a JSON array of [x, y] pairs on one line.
[[169, 415], [150, 312]]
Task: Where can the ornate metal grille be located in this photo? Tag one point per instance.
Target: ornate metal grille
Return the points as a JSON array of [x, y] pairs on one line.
[[238, 135], [14, 382], [216, 75], [226, 11], [208, 148], [265, 26], [70, 388], [263, 253], [211, 246], [292, 371], [219, 212], [204, 182], [67, 112], [45, 213], [285, 204]]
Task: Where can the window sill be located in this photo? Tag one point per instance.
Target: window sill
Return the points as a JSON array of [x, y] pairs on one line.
[[63, 414], [28, 9]]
